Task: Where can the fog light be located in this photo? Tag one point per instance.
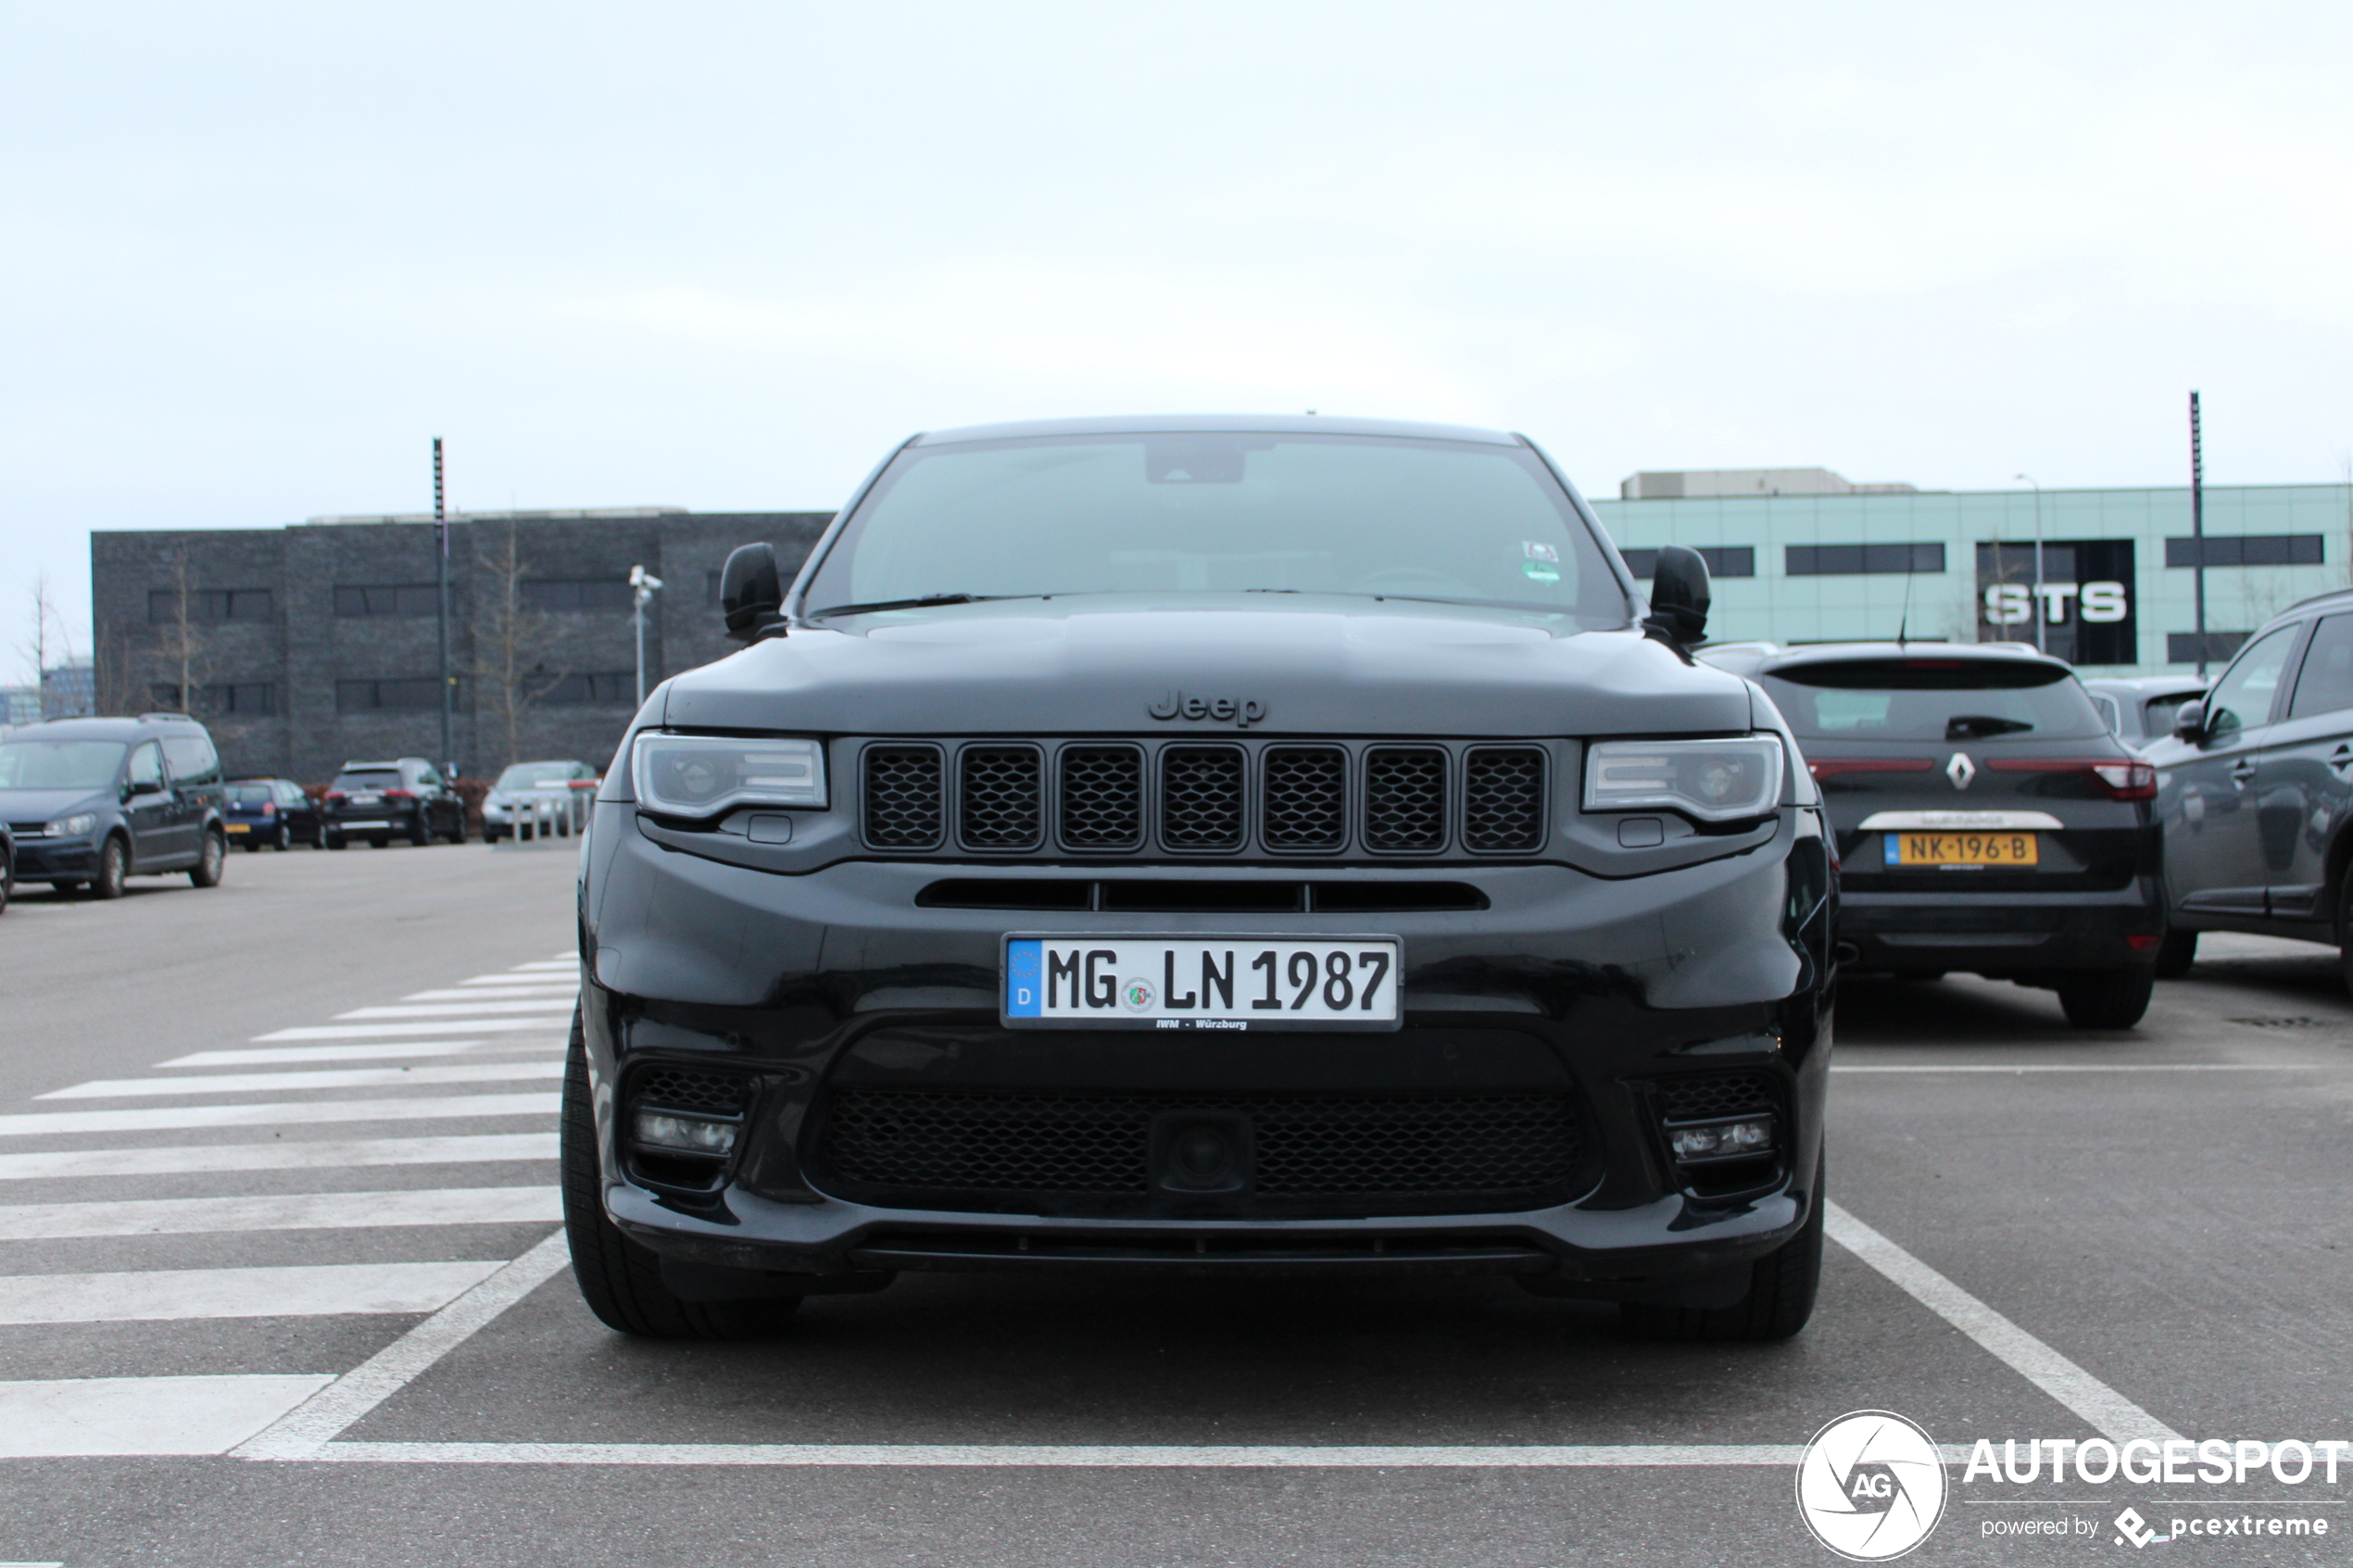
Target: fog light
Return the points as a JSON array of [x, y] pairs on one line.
[[687, 1135], [1722, 1140]]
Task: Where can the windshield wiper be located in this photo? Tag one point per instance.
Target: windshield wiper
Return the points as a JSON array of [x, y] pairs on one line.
[[906, 604], [1977, 726]]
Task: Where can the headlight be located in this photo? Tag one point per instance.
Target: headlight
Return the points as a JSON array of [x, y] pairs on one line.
[[703, 775], [1716, 781], [71, 827]]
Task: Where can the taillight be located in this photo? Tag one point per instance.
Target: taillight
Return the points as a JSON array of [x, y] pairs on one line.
[[267, 810], [400, 795], [2123, 781], [336, 797], [1830, 767]]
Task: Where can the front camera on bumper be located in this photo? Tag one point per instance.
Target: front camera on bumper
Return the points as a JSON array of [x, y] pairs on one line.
[[682, 1134]]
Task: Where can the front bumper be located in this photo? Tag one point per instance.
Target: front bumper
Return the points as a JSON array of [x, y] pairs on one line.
[[1589, 992], [2000, 935], [56, 860]]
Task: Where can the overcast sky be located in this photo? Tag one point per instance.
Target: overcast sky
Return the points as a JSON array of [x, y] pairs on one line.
[[254, 258]]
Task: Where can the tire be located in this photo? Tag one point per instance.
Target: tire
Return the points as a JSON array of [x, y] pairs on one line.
[[285, 838], [2344, 926], [212, 860], [2106, 998], [7, 882], [1781, 1288], [620, 1279], [2175, 953], [114, 870], [420, 830], [457, 833]]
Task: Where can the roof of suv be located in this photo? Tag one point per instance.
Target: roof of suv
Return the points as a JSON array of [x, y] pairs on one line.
[[1205, 424], [111, 729]]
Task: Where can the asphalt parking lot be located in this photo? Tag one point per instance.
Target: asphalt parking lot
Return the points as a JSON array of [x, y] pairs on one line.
[[276, 1286]]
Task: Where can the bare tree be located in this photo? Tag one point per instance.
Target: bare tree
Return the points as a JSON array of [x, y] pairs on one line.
[[509, 640], [115, 689], [183, 645]]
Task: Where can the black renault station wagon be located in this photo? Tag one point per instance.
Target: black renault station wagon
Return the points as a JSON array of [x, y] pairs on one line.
[[1205, 845]]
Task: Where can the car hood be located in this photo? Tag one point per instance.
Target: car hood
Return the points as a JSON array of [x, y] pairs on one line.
[[1112, 665], [46, 805]]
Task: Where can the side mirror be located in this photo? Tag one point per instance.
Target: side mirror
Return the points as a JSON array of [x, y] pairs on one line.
[[2189, 723], [752, 594], [146, 787], [1679, 599]]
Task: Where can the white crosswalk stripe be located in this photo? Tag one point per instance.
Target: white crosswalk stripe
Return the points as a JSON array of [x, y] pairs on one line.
[[325, 1078], [466, 1009], [310, 1211], [433, 1062], [187, 1158]]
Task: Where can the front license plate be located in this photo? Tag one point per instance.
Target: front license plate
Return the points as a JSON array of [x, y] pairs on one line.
[[1963, 849], [1201, 983]]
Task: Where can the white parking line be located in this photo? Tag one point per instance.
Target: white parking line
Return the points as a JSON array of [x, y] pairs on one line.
[[261, 1056], [462, 994], [282, 1212], [81, 1417], [486, 1008], [276, 1156], [416, 1107], [326, 1078], [534, 982], [2109, 1412], [2090, 1067], [1107, 1456], [394, 1031], [307, 1290]]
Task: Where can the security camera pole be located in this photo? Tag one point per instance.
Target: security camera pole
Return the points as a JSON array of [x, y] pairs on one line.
[[2197, 526], [648, 586]]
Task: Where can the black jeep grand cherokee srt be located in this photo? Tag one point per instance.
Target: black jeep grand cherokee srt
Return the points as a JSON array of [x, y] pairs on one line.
[[1204, 845]]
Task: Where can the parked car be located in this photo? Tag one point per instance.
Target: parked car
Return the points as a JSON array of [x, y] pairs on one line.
[[1235, 846], [276, 812], [376, 801], [2256, 790], [95, 801], [2140, 709], [557, 792], [1987, 818]]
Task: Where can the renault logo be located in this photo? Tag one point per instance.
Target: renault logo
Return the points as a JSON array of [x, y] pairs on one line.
[[1960, 770]]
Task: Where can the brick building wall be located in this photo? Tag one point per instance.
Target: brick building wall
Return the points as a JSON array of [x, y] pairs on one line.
[[305, 647]]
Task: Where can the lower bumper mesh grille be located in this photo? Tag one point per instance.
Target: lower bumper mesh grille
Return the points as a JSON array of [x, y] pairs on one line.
[[1465, 1152]]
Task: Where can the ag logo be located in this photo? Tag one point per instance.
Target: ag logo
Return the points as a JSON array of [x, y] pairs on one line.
[[1870, 1486]]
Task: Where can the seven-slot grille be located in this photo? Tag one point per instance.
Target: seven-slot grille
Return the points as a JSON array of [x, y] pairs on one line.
[[1203, 798]]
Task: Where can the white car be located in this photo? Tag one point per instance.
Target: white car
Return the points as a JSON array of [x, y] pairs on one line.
[[529, 793]]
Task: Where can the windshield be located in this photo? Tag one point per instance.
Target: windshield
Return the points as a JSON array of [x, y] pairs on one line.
[[1221, 513], [1932, 699], [251, 794], [59, 764], [535, 775]]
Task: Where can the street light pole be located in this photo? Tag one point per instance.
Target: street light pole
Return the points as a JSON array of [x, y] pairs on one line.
[[646, 586], [2039, 612], [441, 601], [2197, 526]]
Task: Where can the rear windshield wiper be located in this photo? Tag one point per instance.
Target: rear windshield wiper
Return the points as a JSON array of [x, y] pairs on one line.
[[1977, 726]]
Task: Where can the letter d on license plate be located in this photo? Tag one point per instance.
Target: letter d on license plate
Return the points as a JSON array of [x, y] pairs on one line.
[[1200, 982]]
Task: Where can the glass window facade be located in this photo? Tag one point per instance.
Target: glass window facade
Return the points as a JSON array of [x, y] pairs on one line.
[[2110, 595]]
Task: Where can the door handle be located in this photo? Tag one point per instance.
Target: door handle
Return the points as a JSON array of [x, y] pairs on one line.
[[2342, 758], [2240, 774]]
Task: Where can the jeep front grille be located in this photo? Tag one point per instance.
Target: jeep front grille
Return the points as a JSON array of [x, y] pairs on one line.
[[1277, 799]]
